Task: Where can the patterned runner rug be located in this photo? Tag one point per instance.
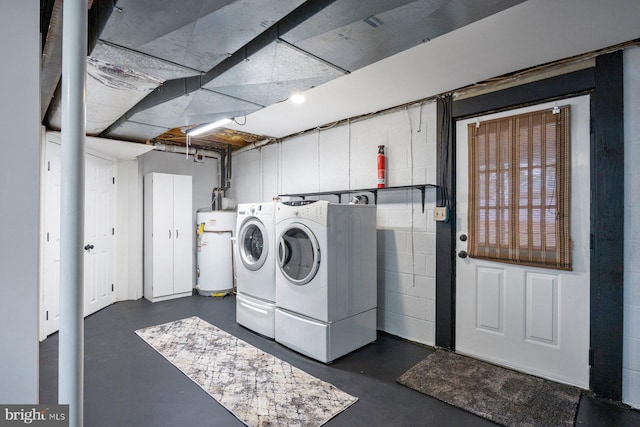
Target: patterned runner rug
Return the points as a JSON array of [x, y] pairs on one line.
[[259, 389], [501, 395]]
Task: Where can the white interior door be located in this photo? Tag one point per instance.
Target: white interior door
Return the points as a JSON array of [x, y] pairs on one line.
[[183, 229], [51, 244], [100, 205], [99, 222], [163, 234], [531, 319]]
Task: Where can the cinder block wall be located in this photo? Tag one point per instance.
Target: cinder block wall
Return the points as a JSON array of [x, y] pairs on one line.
[[344, 157], [631, 353]]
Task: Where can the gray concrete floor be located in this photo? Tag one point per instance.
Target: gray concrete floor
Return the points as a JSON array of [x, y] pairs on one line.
[[127, 383]]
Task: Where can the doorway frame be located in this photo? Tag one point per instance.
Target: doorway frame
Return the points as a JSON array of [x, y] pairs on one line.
[[47, 138], [604, 82]]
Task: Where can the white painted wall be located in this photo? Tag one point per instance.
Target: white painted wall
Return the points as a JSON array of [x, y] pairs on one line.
[[631, 352], [344, 157], [19, 201], [204, 179], [128, 232], [128, 225]]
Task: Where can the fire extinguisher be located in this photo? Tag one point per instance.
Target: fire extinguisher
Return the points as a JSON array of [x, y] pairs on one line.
[[382, 167]]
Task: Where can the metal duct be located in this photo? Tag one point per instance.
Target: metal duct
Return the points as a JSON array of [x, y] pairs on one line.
[[272, 74], [356, 33], [159, 64], [51, 62], [200, 106], [110, 90], [198, 34]]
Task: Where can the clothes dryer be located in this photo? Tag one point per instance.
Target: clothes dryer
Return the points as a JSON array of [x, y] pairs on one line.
[[255, 267], [325, 277]]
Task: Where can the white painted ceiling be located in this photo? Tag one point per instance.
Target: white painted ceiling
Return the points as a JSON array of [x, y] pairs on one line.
[[120, 150], [529, 34]]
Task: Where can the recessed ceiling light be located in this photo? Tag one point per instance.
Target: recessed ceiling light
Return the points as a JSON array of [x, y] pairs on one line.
[[297, 98]]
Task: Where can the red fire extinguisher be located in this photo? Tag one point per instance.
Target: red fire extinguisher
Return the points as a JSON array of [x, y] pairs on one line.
[[382, 167]]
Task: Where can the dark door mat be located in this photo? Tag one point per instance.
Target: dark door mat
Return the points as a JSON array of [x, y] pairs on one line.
[[499, 394]]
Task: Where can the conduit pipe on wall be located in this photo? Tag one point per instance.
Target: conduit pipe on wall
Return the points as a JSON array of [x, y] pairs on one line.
[[218, 193], [224, 170], [253, 146]]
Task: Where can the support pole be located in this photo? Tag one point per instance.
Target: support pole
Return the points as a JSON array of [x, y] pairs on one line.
[[71, 335]]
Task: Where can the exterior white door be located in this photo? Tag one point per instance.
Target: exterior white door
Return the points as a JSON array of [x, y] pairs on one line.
[[100, 203], [535, 320], [99, 238]]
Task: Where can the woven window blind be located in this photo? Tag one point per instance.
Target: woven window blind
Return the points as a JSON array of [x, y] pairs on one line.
[[520, 188]]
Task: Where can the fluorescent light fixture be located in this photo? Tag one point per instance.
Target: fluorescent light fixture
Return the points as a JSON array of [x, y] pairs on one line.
[[198, 130], [297, 98]]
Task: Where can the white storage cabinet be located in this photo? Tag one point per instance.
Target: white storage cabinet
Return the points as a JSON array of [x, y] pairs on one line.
[[168, 237]]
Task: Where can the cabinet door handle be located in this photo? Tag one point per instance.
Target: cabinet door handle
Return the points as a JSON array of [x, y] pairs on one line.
[[177, 234], [169, 233]]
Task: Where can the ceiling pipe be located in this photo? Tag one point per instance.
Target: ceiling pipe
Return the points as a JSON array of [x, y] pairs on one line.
[[184, 150], [224, 179], [253, 146], [228, 174], [71, 334], [223, 157], [224, 160]]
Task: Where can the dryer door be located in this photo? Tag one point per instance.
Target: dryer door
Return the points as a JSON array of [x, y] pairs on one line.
[[253, 244], [298, 254]]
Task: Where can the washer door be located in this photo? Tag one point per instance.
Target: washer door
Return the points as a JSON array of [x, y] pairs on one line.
[[298, 254], [253, 243]]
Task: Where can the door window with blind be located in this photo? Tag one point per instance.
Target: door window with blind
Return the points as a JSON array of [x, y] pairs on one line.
[[519, 189]]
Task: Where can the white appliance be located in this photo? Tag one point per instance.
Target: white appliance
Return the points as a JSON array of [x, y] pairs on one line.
[[255, 267], [326, 277], [214, 252]]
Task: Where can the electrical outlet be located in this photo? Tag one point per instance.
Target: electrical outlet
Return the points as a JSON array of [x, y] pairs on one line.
[[441, 213]]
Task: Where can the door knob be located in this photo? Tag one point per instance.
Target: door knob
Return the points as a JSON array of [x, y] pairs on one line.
[[463, 254], [463, 237], [88, 247]]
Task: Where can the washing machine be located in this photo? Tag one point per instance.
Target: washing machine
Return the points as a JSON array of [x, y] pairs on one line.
[[326, 291], [255, 267], [214, 252]]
